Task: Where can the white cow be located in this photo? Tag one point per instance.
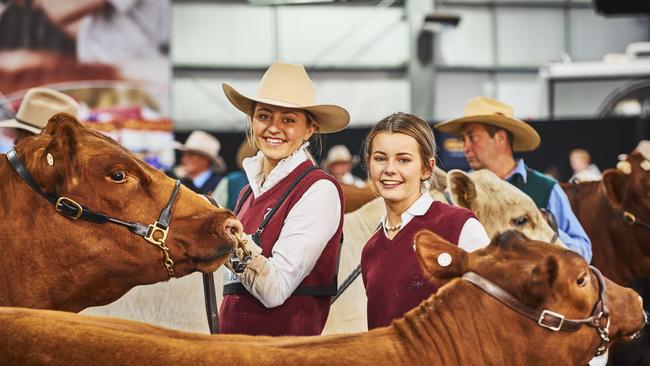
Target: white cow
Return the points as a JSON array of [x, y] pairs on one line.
[[179, 303]]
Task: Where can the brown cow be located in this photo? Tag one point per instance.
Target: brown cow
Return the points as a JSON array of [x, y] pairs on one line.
[[615, 213], [460, 325], [620, 248], [56, 262]]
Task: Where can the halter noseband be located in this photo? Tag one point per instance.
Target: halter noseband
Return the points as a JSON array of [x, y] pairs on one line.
[[549, 319], [155, 233]]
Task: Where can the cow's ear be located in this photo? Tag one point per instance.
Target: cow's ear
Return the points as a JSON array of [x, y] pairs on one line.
[[440, 177], [540, 282], [615, 187], [462, 188], [59, 170], [439, 258]]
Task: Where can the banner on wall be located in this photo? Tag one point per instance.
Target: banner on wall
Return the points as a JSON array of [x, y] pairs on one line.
[[110, 55]]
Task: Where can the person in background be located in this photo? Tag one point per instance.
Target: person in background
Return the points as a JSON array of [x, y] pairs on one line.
[[294, 209], [228, 189], [339, 162], [201, 166], [490, 137], [583, 169], [399, 153], [37, 107]]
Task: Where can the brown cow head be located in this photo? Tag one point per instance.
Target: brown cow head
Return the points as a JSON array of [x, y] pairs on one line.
[[513, 210], [628, 187], [98, 173], [539, 275]]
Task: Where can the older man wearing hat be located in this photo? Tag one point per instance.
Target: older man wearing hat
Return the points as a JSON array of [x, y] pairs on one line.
[[36, 109], [201, 165], [490, 136], [339, 162]]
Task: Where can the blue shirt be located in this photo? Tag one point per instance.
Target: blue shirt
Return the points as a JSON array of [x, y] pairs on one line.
[[200, 179], [571, 232]]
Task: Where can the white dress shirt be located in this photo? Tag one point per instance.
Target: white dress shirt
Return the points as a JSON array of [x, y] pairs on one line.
[[472, 235], [308, 227]]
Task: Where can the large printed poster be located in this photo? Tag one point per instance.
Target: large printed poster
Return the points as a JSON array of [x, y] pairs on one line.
[[110, 55]]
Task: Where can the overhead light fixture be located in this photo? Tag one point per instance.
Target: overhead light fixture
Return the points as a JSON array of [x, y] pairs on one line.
[[437, 21]]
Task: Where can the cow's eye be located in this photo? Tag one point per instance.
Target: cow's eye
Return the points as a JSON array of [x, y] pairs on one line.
[[581, 281], [520, 221], [118, 177]]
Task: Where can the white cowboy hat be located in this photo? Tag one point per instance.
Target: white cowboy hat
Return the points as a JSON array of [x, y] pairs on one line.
[[203, 143], [38, 106], [288, 85], [493, 112], [339, 154]]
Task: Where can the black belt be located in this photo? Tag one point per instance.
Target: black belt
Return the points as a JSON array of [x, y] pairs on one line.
[[238, 288]]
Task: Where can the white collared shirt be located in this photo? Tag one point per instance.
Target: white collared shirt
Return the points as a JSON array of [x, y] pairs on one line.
[[472, 236], [304, 234]]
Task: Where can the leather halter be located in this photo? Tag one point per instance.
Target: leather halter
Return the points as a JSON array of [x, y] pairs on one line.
[[552, 222], [549, 319], [155, 234]]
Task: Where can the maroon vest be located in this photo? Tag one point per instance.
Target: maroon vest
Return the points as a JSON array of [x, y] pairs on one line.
[[392, 274], [242, 313]]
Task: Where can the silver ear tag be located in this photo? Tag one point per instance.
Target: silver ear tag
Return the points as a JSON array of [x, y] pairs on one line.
[[50, 159], [444, 259]]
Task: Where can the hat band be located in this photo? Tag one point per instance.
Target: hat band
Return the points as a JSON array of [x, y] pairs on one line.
[[27, 123]]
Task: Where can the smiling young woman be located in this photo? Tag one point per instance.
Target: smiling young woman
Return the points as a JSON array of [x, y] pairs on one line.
[[399, 155], [284, 287]]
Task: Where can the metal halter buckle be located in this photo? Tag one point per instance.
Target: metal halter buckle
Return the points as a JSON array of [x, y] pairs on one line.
[[154, 228], [542, 318], [65, 200]]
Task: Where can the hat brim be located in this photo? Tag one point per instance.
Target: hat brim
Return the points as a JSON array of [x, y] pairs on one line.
[[330, 118], [12, 123], [217, 162], [525, 138]]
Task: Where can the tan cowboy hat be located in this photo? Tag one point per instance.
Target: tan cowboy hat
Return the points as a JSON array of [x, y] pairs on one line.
[[203, 143], [493, 112], [38, 106], [339, 154], [288, 85]]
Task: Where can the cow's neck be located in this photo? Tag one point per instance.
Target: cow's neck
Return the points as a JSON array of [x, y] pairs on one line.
[[613, 242], [462, 325]]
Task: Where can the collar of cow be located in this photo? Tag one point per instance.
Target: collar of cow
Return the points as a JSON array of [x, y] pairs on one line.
[[599, 318], [155, 233]]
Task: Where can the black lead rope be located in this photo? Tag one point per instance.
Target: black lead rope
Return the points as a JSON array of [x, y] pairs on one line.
[[75, 211]]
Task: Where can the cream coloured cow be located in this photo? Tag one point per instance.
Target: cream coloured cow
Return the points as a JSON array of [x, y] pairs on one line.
[[498, 205]]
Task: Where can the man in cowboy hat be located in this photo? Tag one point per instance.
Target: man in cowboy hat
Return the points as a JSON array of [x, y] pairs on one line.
[[490, 136], [339, 162], [37, 107], [201, 165]]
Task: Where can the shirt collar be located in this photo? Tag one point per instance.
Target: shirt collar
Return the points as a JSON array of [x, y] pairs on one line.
[[200, 179], [520, 169], [418, 208], [253, 168]]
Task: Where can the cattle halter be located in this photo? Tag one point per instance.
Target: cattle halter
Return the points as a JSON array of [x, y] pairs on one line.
[[549, 319], [155, 234]]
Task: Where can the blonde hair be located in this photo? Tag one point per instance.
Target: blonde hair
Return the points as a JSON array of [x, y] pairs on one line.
[[410, 125]]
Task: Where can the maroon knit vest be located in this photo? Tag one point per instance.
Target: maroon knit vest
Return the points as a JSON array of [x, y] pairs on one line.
[[392, 275], [299, 315]]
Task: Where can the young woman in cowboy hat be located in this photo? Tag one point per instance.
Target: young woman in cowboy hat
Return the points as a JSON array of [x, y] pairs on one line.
[[399, 153], [293, 210]]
